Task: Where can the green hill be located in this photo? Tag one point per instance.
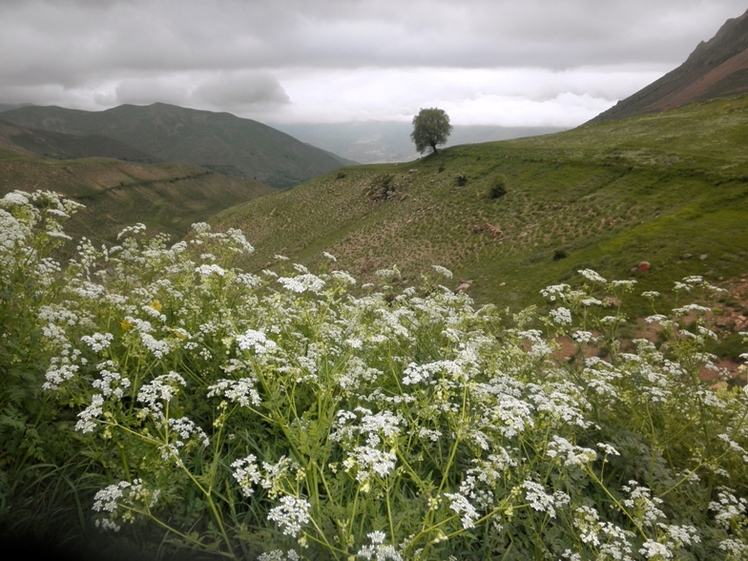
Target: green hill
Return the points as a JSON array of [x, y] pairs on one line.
[[670, 189], [218, 141], [69, 146], [165, 197]]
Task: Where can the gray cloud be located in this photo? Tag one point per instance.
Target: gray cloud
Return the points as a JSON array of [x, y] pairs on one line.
[[259, 57], [239, 91]]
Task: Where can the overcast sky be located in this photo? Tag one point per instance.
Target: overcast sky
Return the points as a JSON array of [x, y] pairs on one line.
[[505, 62]]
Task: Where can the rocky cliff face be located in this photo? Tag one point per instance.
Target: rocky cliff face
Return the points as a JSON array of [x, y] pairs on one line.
[[716, 68]]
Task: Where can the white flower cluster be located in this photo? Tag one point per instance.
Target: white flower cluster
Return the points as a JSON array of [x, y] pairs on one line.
[[443, 271], [461, 505], [161, 389], [86, 423], [593, 276], [612, 541], [303, 283], [210, 271], [122, 496], [379, 398], [561, 316], [98, 341], [187, 429], [255, 340], [279, 555], [378, 430], [729, 508], [555, 292], [242, 391], [291, 515], [570, 454], [378, 550], [62, 368], [247, 474], [644, 507], [543, 502]]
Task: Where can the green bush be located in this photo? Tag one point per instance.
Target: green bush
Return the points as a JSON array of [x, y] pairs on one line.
[[498, 188], [297, 415]]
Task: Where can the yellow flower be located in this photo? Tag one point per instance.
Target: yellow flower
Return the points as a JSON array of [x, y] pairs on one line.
[[125, 325], [156, 305]]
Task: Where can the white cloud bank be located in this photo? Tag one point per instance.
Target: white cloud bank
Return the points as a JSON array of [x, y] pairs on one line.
[[507, 62]]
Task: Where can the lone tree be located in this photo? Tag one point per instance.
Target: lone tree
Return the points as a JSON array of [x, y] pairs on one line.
[[430, 128]]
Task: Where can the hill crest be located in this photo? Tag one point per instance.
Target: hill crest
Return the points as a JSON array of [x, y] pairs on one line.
[[220, 142]]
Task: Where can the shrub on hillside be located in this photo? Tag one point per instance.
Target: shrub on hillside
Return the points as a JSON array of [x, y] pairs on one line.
[[498, 187], [293, 415]]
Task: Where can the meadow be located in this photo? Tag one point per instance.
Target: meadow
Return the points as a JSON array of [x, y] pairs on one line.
[[159, 399], [666, 188]]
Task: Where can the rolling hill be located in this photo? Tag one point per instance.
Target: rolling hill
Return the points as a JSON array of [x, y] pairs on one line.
[[217, 141], [167, 197], [670, 189], [716, 68], [69, 147]]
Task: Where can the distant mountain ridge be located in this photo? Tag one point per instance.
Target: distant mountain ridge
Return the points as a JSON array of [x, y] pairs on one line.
[[70, 147], [217, 141], [716, 68]]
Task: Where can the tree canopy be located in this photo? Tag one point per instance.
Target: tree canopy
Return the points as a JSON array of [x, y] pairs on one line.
[[430, 128]]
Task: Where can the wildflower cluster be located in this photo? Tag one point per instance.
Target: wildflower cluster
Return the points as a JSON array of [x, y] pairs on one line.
[[286, 416]]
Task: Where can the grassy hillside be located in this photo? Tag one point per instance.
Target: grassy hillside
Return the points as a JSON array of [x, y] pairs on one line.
[[218, 141], [165, 197], [68, 146], [670, 189]]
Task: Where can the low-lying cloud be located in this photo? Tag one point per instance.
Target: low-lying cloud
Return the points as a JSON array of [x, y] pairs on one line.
[[489, 61]]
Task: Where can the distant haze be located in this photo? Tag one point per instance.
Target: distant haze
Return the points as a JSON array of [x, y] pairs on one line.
[[375, 142], [541, 63]]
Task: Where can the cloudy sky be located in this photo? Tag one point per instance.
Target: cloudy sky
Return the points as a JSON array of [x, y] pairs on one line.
[[500, 62]]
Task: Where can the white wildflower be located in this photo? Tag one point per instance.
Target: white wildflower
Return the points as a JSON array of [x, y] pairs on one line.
[[160, 389], [303, 283], [655, 550], [241, 391], [591, 275], [98, 341], [255, 340], [608, 449], [378, 551], [210, 270], [201, 227], [87, 416], [247, 474], [556, 291], [561, 316], [461, 505], [443, 271], [290, 515], [541, 501]]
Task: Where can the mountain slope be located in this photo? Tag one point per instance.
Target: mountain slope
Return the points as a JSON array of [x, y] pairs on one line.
[[654, 188], [166, 197], [218, 141], [69, 146], [717, 68]]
